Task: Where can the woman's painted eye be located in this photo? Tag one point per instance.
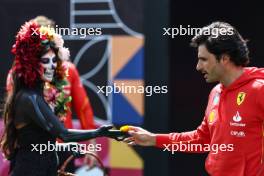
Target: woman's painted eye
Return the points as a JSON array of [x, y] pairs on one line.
[[54, 59], [44, 60]]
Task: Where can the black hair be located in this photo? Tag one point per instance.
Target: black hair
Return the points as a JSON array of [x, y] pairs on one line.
[[221, 38]]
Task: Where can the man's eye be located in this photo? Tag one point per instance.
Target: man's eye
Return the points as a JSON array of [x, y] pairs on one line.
[[203, 59], [44, 60]]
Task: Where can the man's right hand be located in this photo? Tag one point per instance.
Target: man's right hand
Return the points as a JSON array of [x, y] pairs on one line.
[[140, 136]]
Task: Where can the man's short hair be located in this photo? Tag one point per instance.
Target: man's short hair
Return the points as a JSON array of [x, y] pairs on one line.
[[222, 38]]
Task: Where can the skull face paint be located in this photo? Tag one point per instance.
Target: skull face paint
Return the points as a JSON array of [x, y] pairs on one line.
[[49, 63]]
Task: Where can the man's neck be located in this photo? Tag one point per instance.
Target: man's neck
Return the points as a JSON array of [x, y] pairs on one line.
[[231, 75]]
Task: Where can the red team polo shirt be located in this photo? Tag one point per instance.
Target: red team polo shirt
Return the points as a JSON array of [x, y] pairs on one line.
[[234, 116]]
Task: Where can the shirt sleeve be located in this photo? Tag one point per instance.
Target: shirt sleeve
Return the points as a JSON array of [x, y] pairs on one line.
[[200, 136], [38, 110]]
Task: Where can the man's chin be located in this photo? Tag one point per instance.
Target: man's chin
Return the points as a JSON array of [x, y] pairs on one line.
[[210, 80]]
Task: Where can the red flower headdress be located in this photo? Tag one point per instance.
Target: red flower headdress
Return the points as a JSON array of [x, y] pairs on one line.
[[31, 41]]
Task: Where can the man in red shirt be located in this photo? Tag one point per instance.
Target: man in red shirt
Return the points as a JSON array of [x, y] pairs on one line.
[[232, 128]]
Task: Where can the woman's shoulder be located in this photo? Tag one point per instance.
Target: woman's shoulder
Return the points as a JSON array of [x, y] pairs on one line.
[[27, 95], [27, 92]]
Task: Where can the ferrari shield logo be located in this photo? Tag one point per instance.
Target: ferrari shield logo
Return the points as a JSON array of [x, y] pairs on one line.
[[240, 97]]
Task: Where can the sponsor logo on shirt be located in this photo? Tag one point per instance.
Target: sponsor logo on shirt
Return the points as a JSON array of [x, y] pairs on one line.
[[240, 98], [216, 99], [236, 119], [238, 133], [211, 117]]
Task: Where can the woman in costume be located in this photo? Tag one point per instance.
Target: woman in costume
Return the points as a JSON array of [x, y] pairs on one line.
[[36, 106]]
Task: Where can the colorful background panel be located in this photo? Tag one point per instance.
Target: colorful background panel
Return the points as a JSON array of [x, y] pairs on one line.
[[127, 69]]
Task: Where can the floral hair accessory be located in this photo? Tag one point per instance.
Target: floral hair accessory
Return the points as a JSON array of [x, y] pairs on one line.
[[31, 42]]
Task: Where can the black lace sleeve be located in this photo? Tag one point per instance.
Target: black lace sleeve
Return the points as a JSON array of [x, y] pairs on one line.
[[35, 107]]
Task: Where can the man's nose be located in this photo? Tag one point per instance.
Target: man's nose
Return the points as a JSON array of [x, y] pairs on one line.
[[198, 66]]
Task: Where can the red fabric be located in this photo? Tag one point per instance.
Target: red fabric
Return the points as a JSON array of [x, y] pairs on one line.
[[26, 50], [244, 131], [80, 101]]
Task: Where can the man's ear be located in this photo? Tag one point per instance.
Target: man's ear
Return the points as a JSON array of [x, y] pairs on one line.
[[225, 59]]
